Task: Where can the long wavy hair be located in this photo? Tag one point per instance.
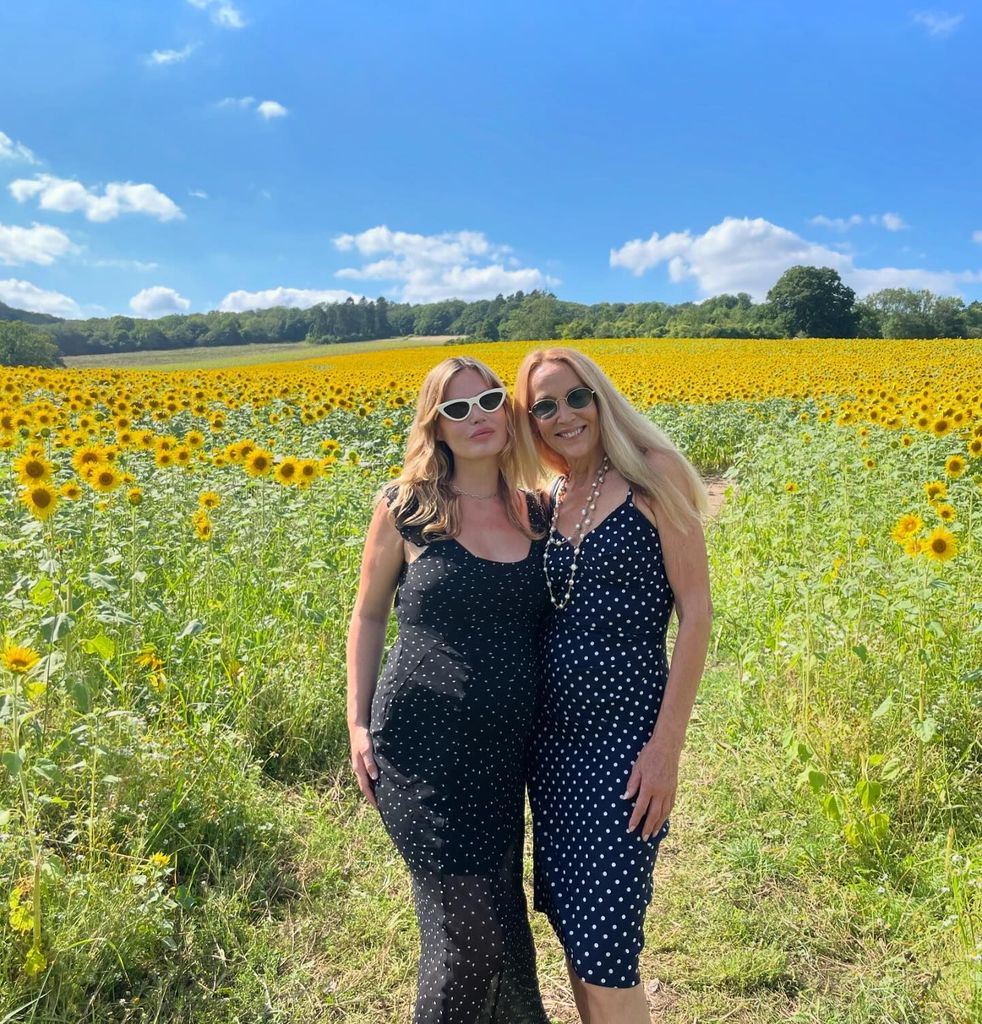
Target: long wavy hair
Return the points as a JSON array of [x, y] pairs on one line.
[[424, 496], [626, 437]]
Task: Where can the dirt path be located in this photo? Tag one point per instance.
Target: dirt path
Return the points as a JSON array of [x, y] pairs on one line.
[[716, 486]]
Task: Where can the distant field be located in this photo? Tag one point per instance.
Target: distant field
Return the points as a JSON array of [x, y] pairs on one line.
[[243, 355]]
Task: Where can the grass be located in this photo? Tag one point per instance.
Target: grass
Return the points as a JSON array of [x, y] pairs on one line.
[[220, 357], [284, 900]]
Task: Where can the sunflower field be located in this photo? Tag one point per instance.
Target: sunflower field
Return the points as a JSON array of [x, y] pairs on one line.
[[180, 839]]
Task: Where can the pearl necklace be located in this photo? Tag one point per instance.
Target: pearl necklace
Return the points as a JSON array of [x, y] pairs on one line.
[[581, 531]]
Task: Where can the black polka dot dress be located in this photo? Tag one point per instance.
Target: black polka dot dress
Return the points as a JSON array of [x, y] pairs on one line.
[[451, 721], [605, 674]]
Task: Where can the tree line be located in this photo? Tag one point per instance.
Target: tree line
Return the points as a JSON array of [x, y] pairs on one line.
[[809, 302]]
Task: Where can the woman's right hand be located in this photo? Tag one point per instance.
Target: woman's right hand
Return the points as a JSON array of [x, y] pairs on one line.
[[363, 761]]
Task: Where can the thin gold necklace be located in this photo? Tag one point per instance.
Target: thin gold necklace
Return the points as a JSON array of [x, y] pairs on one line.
[[480, 497]]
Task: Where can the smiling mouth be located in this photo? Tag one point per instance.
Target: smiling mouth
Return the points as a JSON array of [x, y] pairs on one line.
[[567, 435]]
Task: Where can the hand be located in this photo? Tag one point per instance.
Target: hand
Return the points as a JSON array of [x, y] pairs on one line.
[[363, 761], [654, 780]]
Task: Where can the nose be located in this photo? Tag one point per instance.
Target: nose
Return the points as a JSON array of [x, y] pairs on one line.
[[564, 414]]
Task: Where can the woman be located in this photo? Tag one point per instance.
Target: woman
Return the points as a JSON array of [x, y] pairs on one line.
[[439, 745], [625, 545]]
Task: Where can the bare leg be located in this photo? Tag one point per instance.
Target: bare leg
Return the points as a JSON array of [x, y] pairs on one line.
[[598, 1004], [578, 994]]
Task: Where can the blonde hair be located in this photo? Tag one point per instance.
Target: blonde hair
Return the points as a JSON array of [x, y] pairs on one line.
[[424, 497], [625, 435]]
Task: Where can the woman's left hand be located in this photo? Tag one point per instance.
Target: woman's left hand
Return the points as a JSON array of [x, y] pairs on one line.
[[654, 780]]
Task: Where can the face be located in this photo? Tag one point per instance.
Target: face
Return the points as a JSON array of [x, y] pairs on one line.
[[481, 434], [571, 433]]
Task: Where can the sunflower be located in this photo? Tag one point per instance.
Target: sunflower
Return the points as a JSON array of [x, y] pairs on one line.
[[870, 463], [70, 490], [791, 487], [945, 511], [936, 490], [906, 440], [19, 659], [394, 471], [41, 500], [905, 526], [975, 447], [913, 546], [954, 466], [940, 426], [87, 456], [259, 463], [134, 496], [309, 470], [287, 470], [103, 478], [33, 468], [940, 545], [209, 499]]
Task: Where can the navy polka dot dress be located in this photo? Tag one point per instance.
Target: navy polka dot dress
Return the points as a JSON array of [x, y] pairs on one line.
[[451, 721], [605, 673]]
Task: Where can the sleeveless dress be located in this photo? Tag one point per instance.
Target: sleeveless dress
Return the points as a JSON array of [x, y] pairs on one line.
[[451, 720], [605, 674]]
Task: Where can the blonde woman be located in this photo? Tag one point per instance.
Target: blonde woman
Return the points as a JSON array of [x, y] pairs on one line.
[[625, 547], [439, 744]]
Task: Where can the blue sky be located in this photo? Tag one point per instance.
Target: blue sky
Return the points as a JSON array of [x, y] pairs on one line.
[[186, 155]]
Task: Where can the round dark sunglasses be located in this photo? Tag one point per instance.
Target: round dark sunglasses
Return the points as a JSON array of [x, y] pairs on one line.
[[578, 398], [460, 408]]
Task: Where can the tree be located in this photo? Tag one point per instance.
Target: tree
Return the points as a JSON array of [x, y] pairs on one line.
[[536, 318], [813, 302], [905, 313], [24, 345]]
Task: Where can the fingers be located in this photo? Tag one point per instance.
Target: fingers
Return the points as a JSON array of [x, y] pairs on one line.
[[652, 809], [365, 783], [640, 810], [654, 820], [366, 771], [633, 782], [370, 766]]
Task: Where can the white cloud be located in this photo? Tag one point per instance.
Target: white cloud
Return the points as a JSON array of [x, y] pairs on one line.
[[267, 110], [270, 108], [117, 198], [937, 23], [239, 102], [296, 298], [455, 264], [164, 57], [749, 255], [115, 264], [158, 301], [39, 243], [24, 295], [977, 236], [10, 150], [222, 13], [890, 221], [838, 223], [198, 193]]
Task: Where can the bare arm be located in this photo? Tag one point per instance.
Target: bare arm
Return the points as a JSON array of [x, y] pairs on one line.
[[654, 777], [381, 564]]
